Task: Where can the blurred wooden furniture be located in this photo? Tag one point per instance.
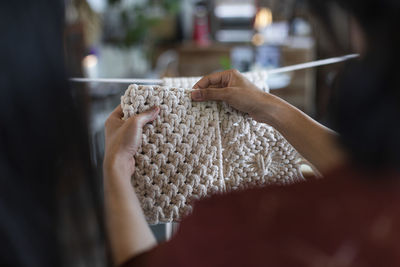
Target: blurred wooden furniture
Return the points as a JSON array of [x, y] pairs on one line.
[[197, 61], [301, 90]]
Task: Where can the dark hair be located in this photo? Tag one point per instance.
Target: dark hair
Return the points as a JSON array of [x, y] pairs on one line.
[[50, 205], [365, 107]]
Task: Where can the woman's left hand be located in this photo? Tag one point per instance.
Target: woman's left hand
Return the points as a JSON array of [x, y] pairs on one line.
[[123, 139]]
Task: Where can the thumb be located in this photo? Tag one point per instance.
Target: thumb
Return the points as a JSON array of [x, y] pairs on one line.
[[134, 128], [145, 117], [210, 94]]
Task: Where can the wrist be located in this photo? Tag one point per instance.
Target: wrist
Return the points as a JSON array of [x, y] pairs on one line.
[[269, 110], [279, 113], [117, 165]]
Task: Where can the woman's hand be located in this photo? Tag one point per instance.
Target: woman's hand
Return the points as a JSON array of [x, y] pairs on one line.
[[123, 138], [314, 141], [128, 231], [236, 90]]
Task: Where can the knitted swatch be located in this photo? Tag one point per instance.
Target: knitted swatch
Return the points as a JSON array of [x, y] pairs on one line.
[[195, 149], [254, 153]]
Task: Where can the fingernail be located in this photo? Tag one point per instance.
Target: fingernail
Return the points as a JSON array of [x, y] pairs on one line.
[[195, 86], [196, 95]]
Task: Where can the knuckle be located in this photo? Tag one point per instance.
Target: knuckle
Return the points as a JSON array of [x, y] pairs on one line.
[[208, 94], [234, 71], [226, 90], [205, 94]]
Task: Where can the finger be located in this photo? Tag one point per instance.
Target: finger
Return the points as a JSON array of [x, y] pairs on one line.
[[210, 94], [135, 125], [117, 113], [145, 117], [218, 79], [114, 120]]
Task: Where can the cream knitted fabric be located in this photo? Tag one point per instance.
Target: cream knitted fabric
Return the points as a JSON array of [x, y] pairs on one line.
[[196, 149], [180, 158], [255, 153], [259, 78]]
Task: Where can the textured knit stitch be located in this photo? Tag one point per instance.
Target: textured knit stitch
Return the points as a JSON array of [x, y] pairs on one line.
[[255, 153], [180, 157], [196, 149]]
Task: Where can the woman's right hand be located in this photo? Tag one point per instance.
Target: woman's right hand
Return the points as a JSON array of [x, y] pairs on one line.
[[313, 141], [236, 90]]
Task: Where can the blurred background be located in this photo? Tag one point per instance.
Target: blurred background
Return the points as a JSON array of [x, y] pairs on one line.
[[178, 38]]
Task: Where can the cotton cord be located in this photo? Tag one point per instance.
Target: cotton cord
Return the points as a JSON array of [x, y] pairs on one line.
[[195, 149]]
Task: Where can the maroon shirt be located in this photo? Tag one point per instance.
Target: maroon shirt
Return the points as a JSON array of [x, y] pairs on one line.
[[349, 218]]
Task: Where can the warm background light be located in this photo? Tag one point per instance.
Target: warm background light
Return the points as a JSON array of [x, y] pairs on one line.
[[263, 19], [258, 39], [89, 61]]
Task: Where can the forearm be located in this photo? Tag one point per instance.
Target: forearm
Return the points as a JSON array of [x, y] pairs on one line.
[[128, 231], [315, 142]]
